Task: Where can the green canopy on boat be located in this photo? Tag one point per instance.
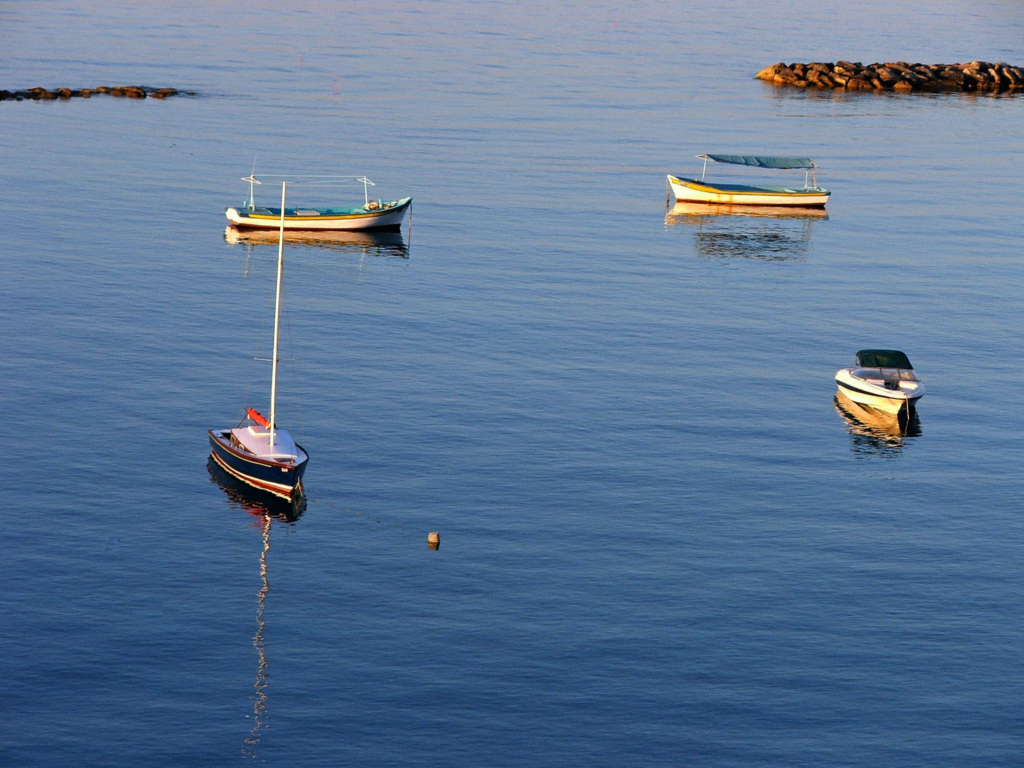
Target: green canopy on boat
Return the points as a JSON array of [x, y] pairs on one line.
[[759, 161], [883, 358]]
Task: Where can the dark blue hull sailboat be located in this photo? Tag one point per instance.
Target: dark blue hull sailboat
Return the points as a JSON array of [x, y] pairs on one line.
[[257, 452], [279, 472]]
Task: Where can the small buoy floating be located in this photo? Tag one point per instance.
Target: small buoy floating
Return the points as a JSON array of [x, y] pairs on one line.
[[433, 539]]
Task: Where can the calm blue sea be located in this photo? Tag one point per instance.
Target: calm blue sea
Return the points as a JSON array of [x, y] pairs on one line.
[[662, 540]]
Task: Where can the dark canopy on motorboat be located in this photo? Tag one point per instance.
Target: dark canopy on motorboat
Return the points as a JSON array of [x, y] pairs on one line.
[[760, 161], [883, 358]]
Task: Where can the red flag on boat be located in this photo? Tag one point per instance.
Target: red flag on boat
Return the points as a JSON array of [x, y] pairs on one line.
[[257, 417]]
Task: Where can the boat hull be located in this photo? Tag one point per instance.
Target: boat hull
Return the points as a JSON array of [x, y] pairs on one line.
[[279, 478], [878, 397], [693, 191], [324, 219], [254, 500]]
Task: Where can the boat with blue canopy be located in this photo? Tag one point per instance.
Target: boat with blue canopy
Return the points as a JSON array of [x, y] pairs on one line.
[[375, 215], [810, 195]]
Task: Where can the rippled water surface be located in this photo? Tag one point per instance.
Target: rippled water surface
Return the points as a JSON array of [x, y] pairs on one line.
[[664, 540]]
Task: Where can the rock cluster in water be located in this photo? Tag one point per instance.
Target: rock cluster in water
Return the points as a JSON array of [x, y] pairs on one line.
[[125, 91], [898, 76]]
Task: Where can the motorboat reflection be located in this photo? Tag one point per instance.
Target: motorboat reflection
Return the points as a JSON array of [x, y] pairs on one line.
[[766, 233], [367, 243], [876, 432]]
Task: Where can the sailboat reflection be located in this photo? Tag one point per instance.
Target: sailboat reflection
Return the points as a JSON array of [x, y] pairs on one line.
[[254, 501], [365, 243], [766, 233], [265, 508], [259, 696], [874, 432]]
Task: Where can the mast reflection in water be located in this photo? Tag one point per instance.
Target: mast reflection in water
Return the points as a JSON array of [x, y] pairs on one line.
[[765, 233], [875, 433], [259, 696], [266, 508]]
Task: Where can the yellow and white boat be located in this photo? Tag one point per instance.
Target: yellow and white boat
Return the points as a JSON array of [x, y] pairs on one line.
[[810, 195], [372, 215]]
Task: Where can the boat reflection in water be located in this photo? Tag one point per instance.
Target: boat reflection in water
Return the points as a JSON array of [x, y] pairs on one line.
[[766, 233], [875, 432], [255, 501], [265, 508], [365, 243]]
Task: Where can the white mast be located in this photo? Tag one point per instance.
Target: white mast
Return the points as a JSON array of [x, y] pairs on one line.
[[252, 182], [366, 185], [251, 178], [277, 321]]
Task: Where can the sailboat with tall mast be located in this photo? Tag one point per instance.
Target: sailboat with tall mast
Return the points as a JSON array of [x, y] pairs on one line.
[[257, 451]]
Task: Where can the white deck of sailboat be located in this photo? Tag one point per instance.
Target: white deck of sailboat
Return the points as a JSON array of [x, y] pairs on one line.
[[256, 440]]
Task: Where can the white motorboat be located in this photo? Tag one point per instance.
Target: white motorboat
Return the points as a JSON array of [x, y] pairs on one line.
[[882, 379]]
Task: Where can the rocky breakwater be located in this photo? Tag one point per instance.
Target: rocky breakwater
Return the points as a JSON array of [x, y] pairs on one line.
[[899, 76], [123, 91]]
